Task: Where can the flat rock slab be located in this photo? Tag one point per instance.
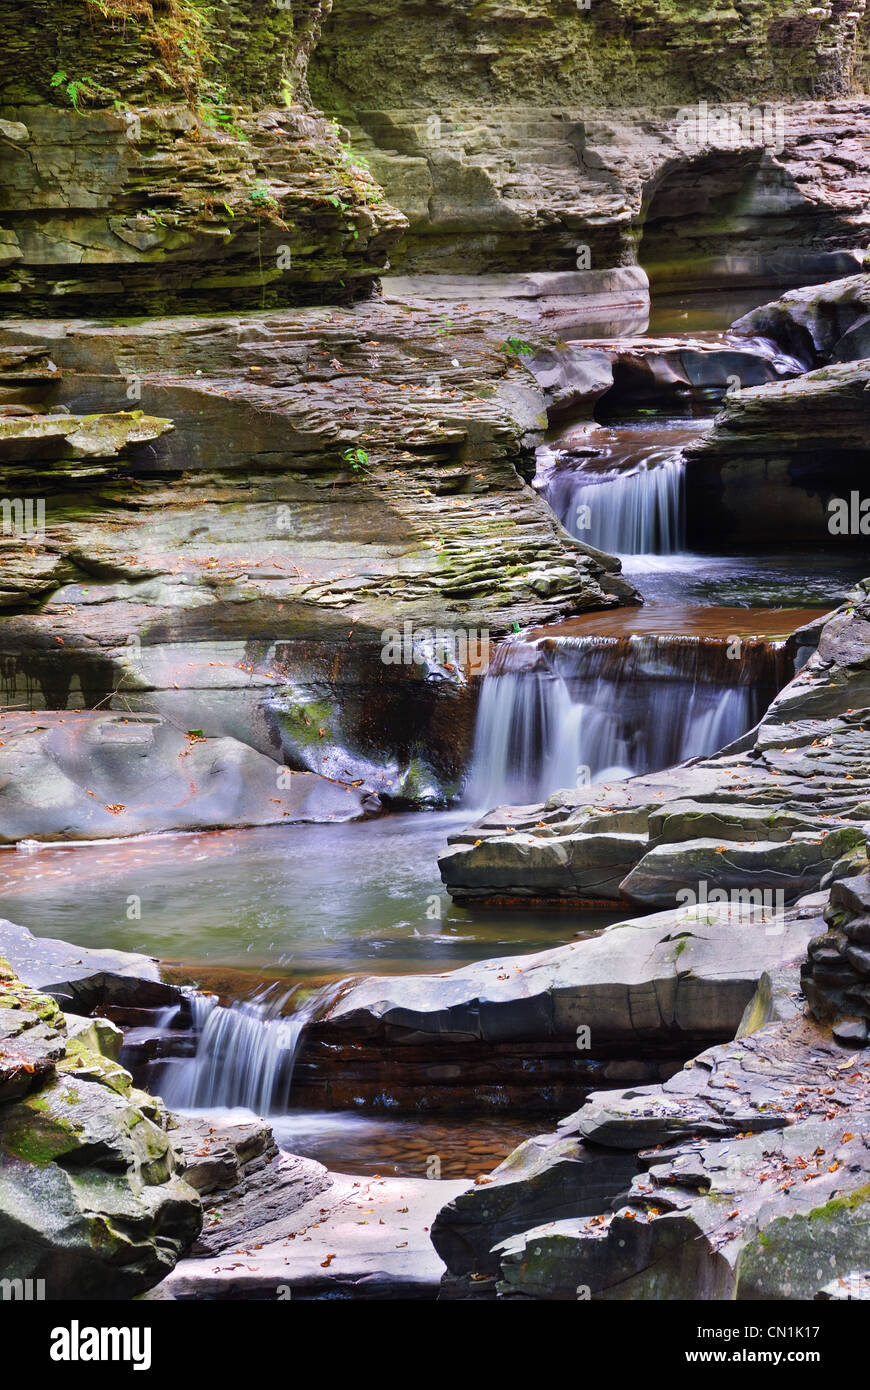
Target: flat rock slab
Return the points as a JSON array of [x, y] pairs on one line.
[[77, 436], [774, 1077], [768, 1216], [89, 775], [687, 973], [363, 1238], [80, 977], [754, 866]]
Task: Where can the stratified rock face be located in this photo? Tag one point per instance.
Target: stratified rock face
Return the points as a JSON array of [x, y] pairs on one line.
[[836, 977], [168, 156], [750, 1178], [782, 462], [533, 1030], [374, 52], [498, 188], [772, 1216], [491, 126], [778, 815], [165, 155], [261, 555], [91, 1195], [244, 1180]]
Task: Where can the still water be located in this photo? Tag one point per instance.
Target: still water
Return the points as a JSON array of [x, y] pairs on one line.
[[304, 902]]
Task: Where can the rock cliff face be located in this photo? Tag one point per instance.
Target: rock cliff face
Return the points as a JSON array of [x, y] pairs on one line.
[[628, 53], [163, 155], [514, 136], [750, 1168], [230, 554]]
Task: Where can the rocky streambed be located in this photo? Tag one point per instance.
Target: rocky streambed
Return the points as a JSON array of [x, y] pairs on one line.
[[391, 488]]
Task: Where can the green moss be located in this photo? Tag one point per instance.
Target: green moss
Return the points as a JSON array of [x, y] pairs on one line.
[[838, 1205], [88, 1065]]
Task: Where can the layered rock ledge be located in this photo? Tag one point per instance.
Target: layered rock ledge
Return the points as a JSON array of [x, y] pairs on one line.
[[532, 1031], [92, 1196], [744, 1175], [775, 814], [329, 478]]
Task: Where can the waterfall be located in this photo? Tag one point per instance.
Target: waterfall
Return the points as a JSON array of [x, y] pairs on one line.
[[557, 713], [244, 1056], [639, 511]]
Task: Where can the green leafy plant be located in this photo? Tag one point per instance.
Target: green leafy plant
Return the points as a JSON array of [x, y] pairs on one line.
[[262, 196], [78, 88], [217, 113], [358, 459], [517, 347]]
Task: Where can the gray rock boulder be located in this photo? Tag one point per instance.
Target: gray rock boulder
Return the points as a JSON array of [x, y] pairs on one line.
[[818, 323], [91, 775], [92, 1200], [82, 979], [771, 1216]]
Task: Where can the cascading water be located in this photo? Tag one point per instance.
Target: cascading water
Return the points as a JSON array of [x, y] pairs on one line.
[[637, 512], [244, 1056], [620, 489], [558, 713]]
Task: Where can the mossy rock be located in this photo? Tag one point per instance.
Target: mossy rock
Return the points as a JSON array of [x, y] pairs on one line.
[[91, 1194]]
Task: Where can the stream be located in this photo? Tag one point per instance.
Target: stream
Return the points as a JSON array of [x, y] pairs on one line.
[[263, 917]]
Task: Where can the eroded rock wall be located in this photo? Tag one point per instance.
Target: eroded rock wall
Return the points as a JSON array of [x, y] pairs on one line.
[[167, 154], [625, 53]]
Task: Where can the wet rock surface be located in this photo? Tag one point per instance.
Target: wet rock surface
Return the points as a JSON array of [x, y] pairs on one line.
[[819, 324], [87, 776], [774, 814], [83, 979], [777, 455], [92, 1197], [836, 976], [333, 482], [525, 1030], [750, 1180], [244, 1181]]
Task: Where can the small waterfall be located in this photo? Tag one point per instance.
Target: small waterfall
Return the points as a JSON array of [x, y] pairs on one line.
[[640, 511], [244, 1057], [564, 712]]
